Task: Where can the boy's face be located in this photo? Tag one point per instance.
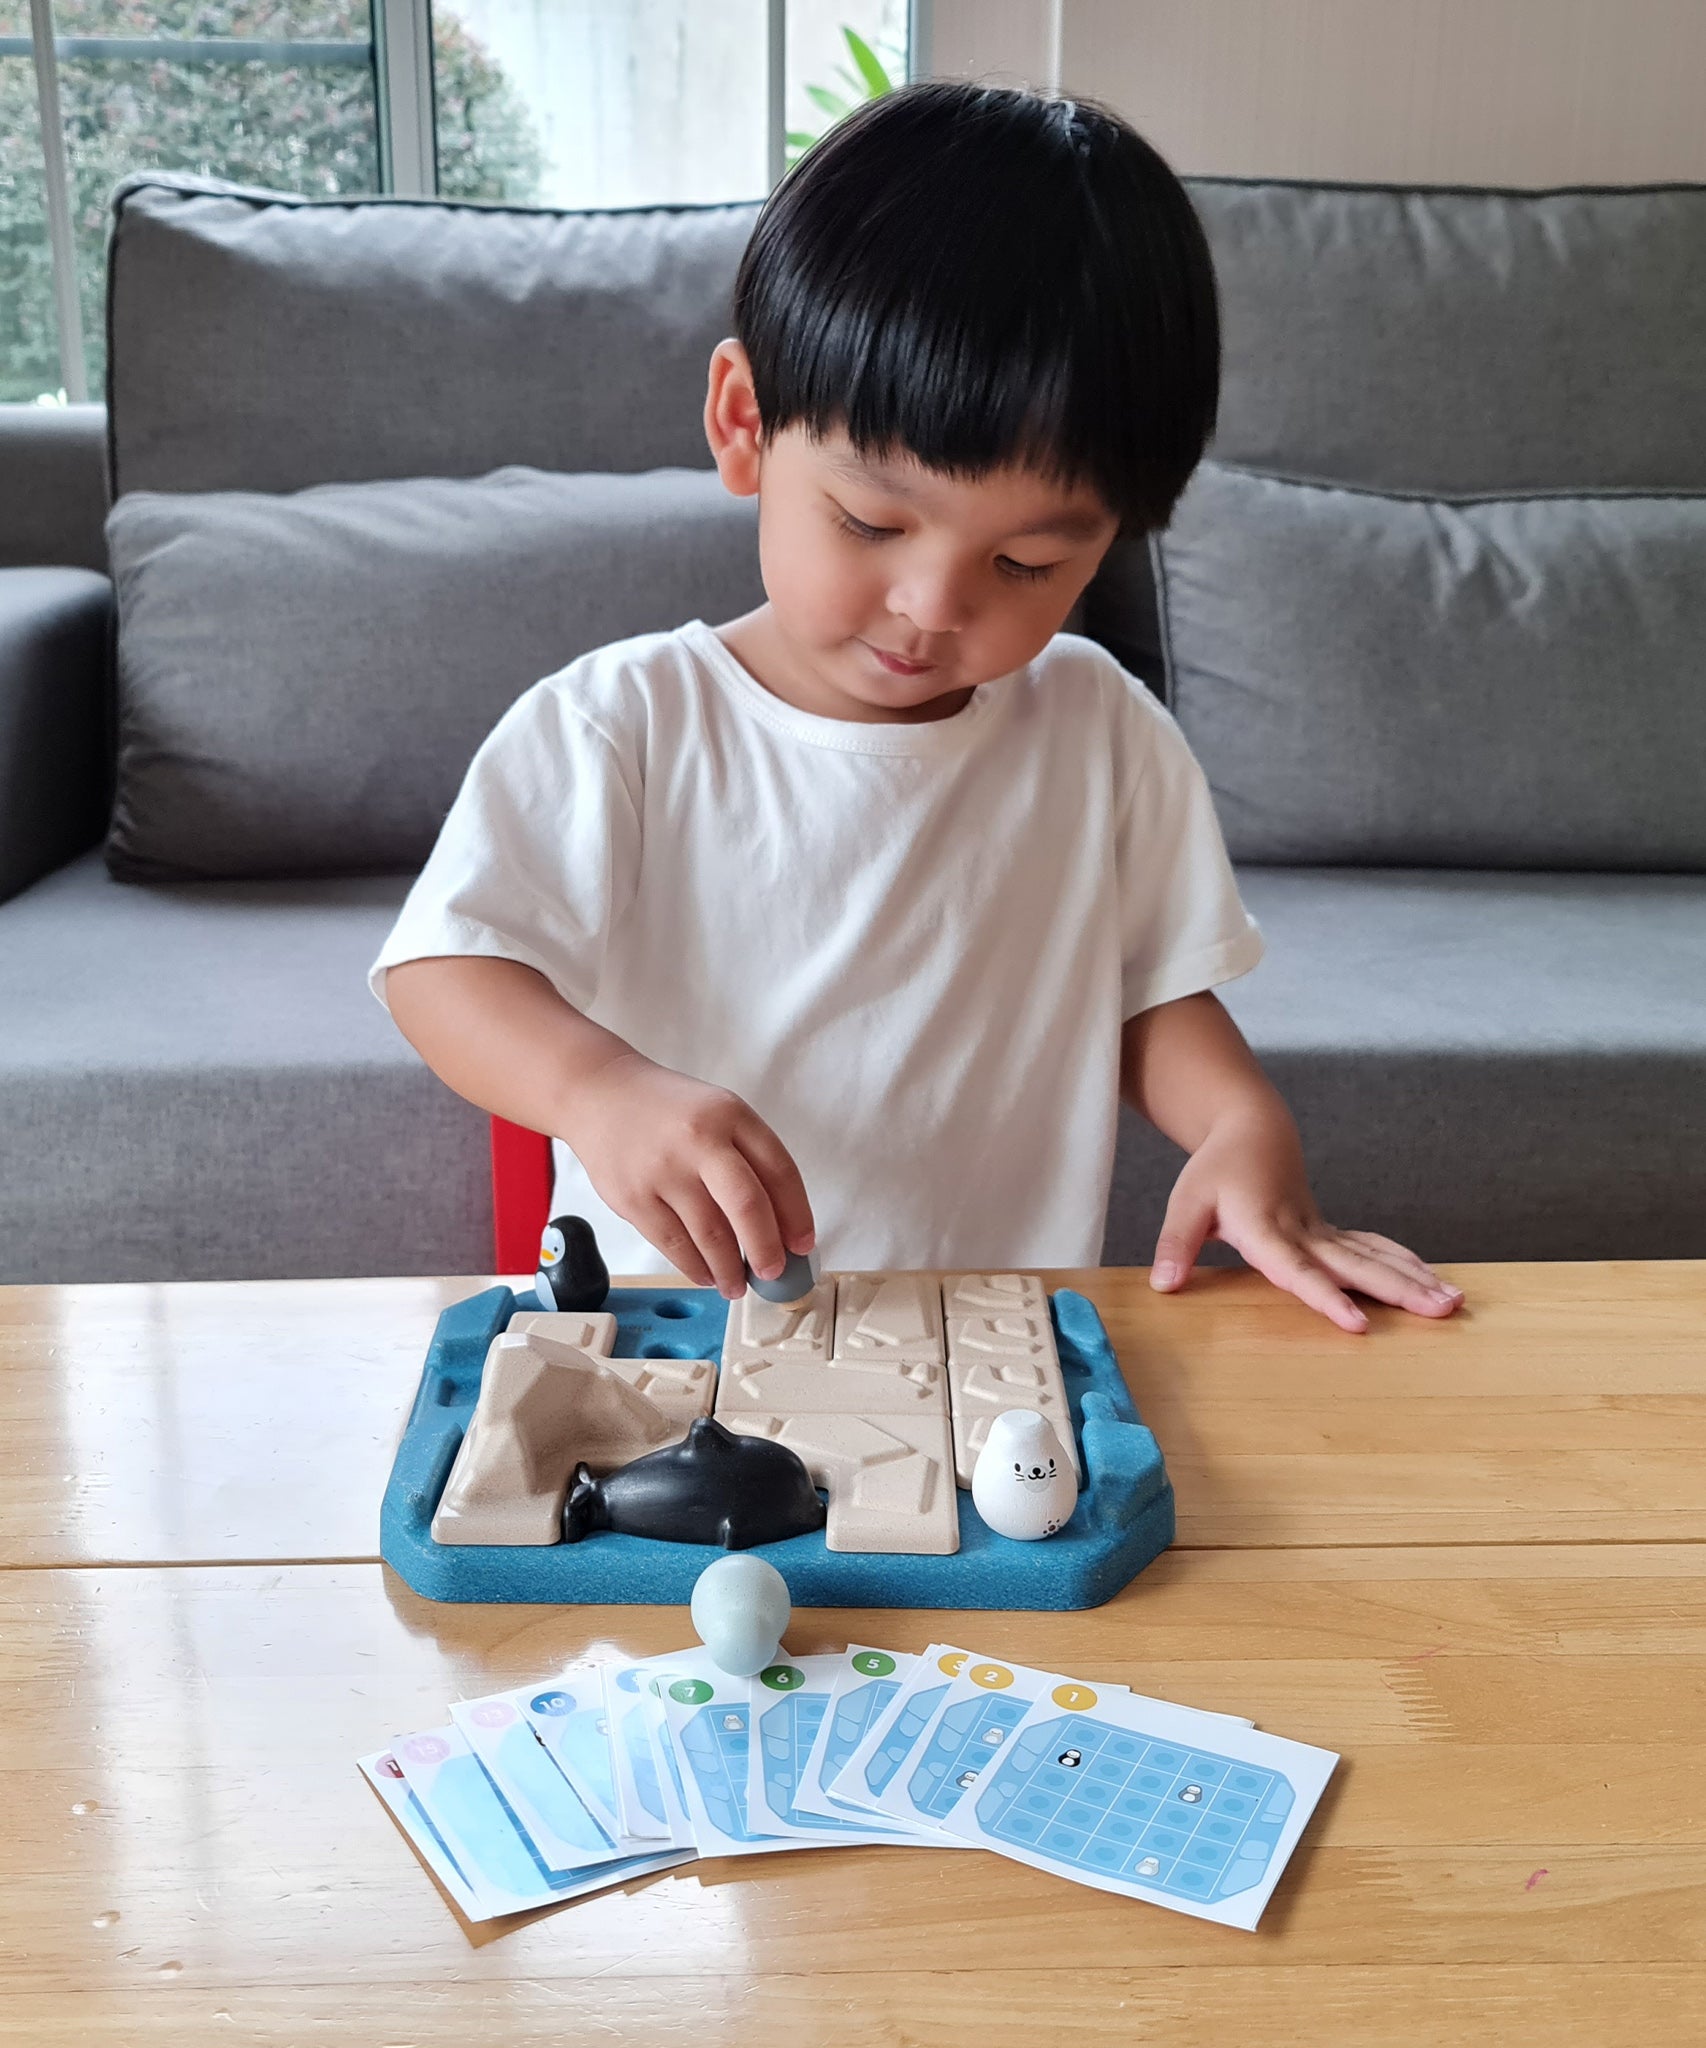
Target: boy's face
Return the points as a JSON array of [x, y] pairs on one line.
[[955, 581]]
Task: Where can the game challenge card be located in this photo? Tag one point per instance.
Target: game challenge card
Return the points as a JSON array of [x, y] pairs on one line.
[[889, 1739], [709, 1715], [865, 1684], [788, 1702], [1133, 1796]]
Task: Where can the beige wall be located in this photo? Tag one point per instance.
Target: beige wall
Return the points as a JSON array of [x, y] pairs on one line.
[[1497, 92]]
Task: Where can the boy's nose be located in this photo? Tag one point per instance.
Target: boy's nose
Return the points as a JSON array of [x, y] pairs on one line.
[[928, 607]]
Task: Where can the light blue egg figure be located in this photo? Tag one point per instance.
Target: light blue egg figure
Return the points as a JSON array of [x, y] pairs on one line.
[[740, 1609]]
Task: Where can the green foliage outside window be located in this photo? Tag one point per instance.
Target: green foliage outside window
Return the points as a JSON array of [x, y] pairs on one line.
[[306, 128]]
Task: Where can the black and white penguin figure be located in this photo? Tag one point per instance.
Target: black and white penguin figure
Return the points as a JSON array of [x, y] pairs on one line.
[[572, 1274]]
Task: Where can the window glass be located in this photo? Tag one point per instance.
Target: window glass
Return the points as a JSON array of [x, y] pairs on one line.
[[840, 52], [268, 92], [29, 341], [629, 102]]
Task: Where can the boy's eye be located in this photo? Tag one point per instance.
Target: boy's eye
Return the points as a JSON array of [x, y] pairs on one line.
[[858, 528], [1029, 572]]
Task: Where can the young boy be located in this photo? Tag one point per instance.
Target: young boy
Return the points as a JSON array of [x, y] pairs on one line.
[[889, 890]]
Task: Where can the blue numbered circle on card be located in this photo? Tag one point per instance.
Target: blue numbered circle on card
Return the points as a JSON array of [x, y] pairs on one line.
[[552, 1703], [627, 1681]]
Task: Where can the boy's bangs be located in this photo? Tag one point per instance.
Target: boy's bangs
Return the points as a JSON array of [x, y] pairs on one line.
[[980, 278]]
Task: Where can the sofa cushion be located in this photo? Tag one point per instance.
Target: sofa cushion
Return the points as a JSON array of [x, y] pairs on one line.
[[1486, 1066], [304, 679], [53, 486], [1450, 341], [262, 342], [195, 1084], [1516, 682], [1483, 1066], [55, 634]]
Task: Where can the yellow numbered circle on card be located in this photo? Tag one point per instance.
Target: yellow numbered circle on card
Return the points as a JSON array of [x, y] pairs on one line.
[[1077, 1699], [992, 1677], [950, 1662]]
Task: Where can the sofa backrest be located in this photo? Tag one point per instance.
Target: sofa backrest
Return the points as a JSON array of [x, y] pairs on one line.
[[1426, 340], [53, 486], [260, 342]]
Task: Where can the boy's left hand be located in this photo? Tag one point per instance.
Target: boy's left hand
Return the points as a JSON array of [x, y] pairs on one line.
[[1246, 1185]]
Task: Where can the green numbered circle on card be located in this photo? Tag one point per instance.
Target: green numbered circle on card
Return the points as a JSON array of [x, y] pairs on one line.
[[691, 1692], [873, 1664], [782, 1677]]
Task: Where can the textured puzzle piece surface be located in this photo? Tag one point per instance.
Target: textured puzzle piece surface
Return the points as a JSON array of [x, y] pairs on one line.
[[1001, 1362], [890, 1480], [888, 1315], [993, 1294], [766, 1332], [594, 1333], [838, 1386]]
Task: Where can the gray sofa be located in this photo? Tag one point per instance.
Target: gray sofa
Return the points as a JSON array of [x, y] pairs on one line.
[[1448, 416]]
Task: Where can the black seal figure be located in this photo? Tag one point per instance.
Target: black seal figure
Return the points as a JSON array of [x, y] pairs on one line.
[[572, 1274], [713, 1487]]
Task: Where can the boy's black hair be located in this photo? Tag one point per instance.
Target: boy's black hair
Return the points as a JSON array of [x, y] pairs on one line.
[[980, 276]]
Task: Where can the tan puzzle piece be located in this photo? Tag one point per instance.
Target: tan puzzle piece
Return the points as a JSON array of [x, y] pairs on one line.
[[761, 1331], [993, 1294], [594, 1333], [888, 1315], [980, 1389], [839, 1386], [542, 1409], [890, 1481]]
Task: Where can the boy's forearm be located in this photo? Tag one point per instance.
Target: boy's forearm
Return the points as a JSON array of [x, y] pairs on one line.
[[1185, 1066], [500, 1035]]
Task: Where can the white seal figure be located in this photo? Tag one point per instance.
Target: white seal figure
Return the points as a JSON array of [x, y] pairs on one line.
[[740, 1608], [1022, 1484]]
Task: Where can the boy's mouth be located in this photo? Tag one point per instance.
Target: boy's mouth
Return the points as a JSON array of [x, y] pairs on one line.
[[896, 665]]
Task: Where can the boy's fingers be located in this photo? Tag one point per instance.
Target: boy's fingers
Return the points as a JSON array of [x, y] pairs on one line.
[[1183, 1230], [660, 1226], [714, 1236], [745, 1201], [1385, 1279], [1290, 1267], [771, 1160], [1401, 1256]]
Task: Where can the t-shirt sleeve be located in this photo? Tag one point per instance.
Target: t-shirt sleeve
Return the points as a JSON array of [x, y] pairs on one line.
[[1184, 927], [537, 858]]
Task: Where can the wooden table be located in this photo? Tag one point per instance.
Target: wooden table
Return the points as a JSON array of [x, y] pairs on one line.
[[1466, 1555]]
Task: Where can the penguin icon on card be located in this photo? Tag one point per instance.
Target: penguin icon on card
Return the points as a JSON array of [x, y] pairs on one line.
[[1023, 1484]]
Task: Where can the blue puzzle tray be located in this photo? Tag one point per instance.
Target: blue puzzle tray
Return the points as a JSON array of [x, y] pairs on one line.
[[1123, 1520]]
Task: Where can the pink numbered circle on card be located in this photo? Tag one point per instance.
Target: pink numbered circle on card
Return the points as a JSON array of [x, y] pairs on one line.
[[492, 1714], [426, 1749]]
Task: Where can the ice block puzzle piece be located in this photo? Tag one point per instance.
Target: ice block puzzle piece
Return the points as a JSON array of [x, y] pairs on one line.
[[1000, 1362], [838, 1386], [593, 1332], [542, 1409], [768, 1332], [993, 1294], [888, 1315], [889, 1479]]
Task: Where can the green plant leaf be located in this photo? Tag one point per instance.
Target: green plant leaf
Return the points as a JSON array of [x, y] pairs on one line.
[[877, 80], [832, 103]]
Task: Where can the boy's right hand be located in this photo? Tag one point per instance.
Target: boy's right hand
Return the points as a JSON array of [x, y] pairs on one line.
[[698, 1173]]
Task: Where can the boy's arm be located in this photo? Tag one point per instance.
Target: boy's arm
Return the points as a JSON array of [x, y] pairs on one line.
[[692, 1167], [1185, 1066]]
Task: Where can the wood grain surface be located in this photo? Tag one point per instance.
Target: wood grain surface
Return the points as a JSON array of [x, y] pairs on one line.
[[1513, 1849]]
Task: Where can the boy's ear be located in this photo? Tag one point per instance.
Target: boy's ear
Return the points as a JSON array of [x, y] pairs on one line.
[[732, 423]]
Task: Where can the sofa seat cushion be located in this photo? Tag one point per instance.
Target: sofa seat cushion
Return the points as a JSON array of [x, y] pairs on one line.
[[1484, 1066], [196, 1084]]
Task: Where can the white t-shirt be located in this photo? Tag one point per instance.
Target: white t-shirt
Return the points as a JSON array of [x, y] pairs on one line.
[[909, 947]]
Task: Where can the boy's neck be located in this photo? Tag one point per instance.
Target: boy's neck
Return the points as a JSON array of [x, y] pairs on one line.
[[757, 642]]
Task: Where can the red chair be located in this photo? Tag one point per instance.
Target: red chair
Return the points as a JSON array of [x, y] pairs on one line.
[[521, 1196]]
